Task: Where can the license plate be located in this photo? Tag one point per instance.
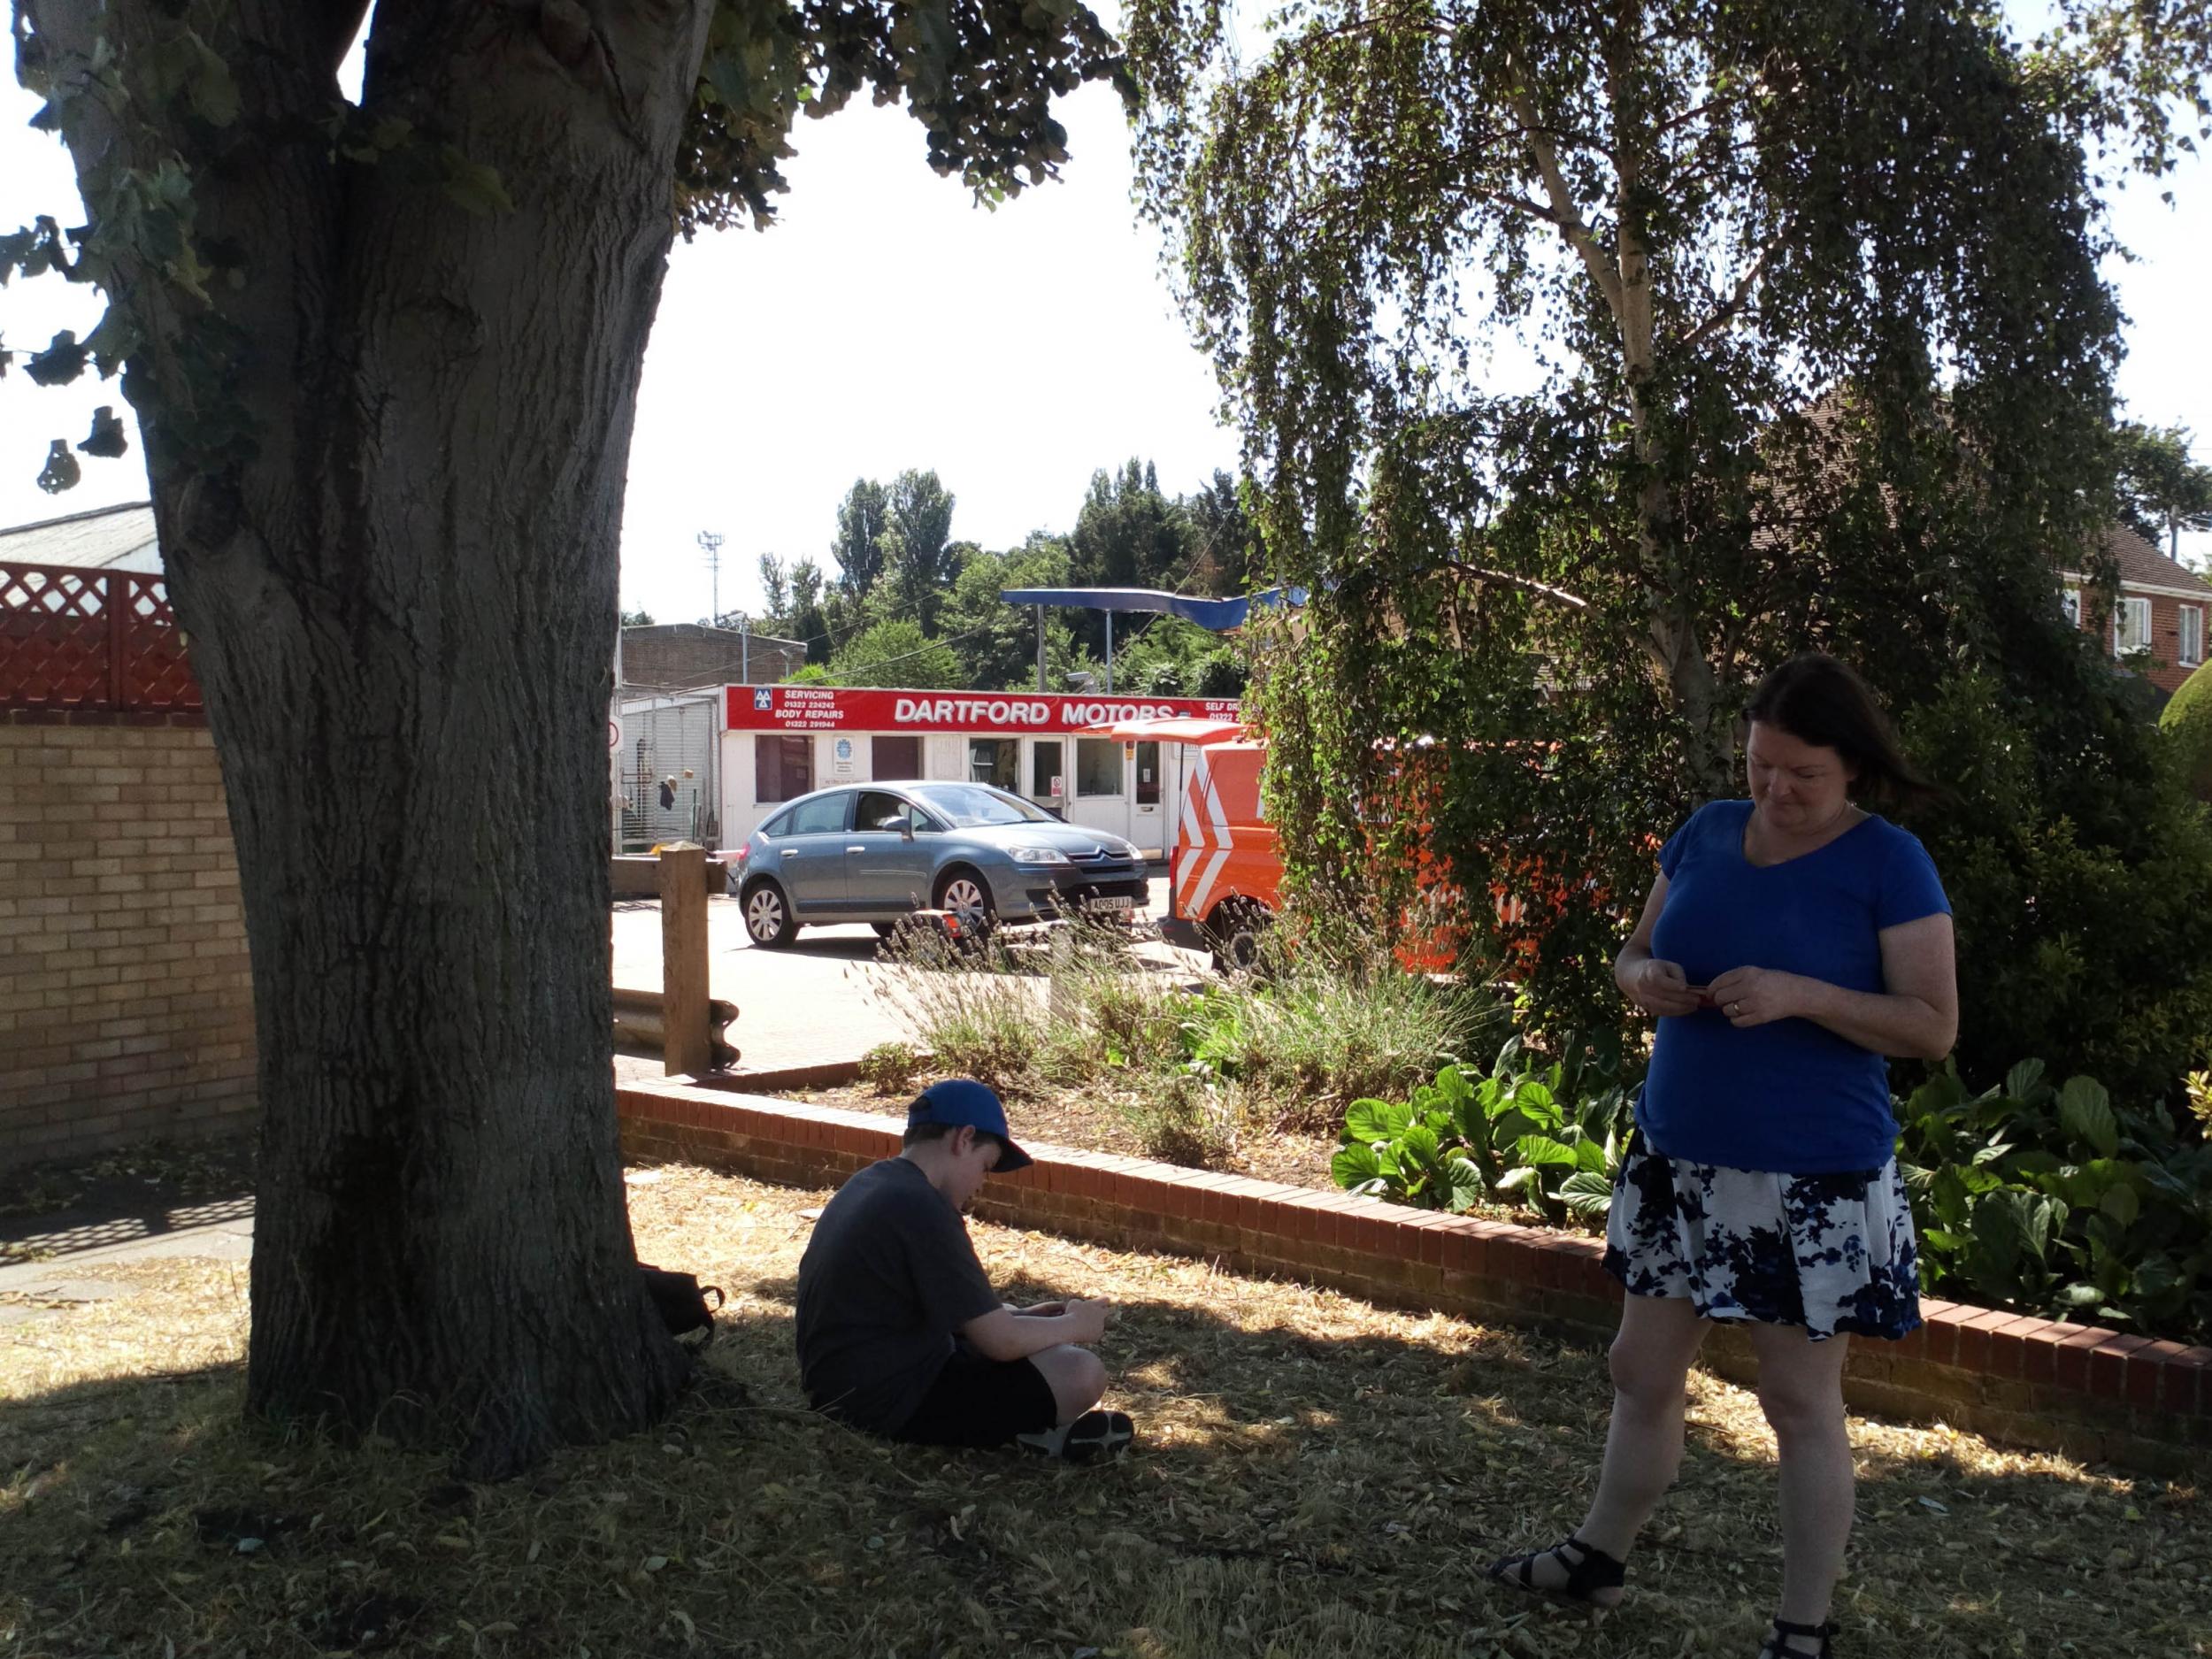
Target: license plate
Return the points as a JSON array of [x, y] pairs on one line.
[[1113, 904]]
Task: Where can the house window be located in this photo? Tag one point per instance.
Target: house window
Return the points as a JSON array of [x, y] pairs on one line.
[[783, 768], [2131, 627], [2192, 649], [2070, 601]]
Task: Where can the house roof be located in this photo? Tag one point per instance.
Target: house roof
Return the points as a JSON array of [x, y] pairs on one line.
[[106, 538], [2143, 565]]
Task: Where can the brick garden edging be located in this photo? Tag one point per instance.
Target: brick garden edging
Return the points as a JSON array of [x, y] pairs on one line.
[[2093, 1394]]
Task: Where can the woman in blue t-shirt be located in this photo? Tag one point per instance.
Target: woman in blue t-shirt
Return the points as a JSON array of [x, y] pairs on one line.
[[1789, 943]]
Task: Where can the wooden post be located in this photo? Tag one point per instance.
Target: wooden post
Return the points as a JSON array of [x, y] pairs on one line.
[[686, 1044]]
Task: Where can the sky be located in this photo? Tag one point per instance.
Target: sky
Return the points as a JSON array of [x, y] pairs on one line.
[[888, 322]]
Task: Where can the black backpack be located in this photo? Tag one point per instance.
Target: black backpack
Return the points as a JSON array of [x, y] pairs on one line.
[[682, 1301]]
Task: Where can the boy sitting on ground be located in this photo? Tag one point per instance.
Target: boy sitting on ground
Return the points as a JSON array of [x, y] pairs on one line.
[[899, 1332]]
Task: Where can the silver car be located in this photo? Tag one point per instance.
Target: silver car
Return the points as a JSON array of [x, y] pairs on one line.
[[877, 852]]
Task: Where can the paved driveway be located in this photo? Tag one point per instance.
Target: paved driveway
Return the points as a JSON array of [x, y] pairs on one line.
[[818, 1000]]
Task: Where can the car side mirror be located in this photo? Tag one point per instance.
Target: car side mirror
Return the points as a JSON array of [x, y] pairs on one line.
[[905, 825]]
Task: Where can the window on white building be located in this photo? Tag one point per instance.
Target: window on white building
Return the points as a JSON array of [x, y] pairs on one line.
[[2131, 627], [2192, 649]]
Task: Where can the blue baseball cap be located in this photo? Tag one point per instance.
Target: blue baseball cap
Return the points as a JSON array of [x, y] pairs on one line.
[[961, 1100]]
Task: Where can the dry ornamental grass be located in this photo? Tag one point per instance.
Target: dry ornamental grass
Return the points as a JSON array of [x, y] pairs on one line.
[[1316, 1479]]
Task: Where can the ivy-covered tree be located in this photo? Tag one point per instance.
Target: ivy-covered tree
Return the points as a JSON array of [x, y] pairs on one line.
[[1826, 360], [385, 356]]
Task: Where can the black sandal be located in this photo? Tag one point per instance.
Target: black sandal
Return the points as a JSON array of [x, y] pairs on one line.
[[1590, 1569], [1777, 1644]]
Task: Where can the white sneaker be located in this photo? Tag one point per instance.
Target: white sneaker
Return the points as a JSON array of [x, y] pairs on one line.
[[1092, 1437]]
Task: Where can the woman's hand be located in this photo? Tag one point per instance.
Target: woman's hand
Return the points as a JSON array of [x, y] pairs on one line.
[[1660, 987], [1755, 996]]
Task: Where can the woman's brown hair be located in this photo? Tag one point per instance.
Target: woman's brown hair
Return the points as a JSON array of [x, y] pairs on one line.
[[1820, 701]]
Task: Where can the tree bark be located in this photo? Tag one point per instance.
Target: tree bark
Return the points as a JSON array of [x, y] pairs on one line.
[[402, 607]]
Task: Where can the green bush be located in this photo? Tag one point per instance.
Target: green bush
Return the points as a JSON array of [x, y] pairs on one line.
[[2057, 1202], [2084, 903], [890, 1067], [1184, 1119], [1547, 1137], [2186, 721]]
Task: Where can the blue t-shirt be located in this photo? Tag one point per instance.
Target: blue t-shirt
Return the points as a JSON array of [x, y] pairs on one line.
[[1788, 1095]]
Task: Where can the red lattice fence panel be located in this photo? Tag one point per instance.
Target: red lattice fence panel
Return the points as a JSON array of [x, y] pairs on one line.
[[73, 639]]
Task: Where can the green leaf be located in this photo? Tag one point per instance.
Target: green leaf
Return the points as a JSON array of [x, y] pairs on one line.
[[1586, 1193], [209, 88], [62, 361], [1542, 1150], [472, 186], [2122, 1204], [1374, 1120], [1590, 1156], [106, 440], [1354, 1165], [2085, 1111], [1464, 1183], [2021, 1080], [61, 470]]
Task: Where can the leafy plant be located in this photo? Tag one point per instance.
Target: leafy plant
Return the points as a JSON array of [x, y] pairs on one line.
[[1548, 1136], [2054, 1200], [890, 1067]]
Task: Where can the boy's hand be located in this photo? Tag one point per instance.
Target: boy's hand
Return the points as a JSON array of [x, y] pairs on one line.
[[1087, 1318]]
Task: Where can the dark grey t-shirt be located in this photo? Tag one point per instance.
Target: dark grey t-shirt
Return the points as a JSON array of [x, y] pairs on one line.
[[887, 1277]]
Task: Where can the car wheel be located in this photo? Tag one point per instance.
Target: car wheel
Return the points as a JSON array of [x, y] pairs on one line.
[[768, 922], [1236, 928], [962, 892]]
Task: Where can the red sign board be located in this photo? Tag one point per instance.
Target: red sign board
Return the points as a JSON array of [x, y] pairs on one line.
[[841, 709]]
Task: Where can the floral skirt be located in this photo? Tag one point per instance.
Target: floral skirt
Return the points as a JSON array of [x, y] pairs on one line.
[[1827, 1252]]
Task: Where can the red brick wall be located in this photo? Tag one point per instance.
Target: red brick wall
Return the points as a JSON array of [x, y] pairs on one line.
[[2167, 670], [126, 1002], [2093, 1394]]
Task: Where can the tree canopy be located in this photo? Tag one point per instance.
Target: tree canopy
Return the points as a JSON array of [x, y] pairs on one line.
[[1825, 360]]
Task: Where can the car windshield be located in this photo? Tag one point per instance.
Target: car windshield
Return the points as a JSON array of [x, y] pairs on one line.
[[971, 806]]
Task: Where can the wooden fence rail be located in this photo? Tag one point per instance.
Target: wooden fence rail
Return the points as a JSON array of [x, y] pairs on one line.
[[90, 640]]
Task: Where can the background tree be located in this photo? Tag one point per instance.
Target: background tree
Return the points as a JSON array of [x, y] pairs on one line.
[[862, 519], [896, 653], [775, 588], [385, 359], [809, 624], [997, 641], [2163, 488], [637, 619], [1828, 363], [1225, 556], [920, 555]]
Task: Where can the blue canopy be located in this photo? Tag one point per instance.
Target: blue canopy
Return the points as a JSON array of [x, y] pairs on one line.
[[1222, 616]]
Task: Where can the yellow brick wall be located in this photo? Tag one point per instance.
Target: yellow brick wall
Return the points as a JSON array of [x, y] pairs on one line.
[[126, 999]]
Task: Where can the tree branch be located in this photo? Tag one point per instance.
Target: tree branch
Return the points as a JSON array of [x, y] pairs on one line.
[[1544, 591], [1565, 214], [1734, 302]]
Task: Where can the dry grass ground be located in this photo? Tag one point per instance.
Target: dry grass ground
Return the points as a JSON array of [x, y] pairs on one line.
[[1318, 1479]]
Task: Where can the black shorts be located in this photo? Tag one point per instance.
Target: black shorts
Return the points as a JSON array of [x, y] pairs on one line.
[[979, 1401]]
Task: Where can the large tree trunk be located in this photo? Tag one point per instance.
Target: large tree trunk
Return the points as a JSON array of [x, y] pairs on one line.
[[402, 608]]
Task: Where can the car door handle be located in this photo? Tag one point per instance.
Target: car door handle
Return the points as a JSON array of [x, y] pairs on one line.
[[855, 850]]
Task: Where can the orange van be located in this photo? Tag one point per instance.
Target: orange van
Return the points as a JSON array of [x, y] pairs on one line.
[[1226, 870]]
